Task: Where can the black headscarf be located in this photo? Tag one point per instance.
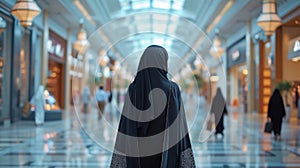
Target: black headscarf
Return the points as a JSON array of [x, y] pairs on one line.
[[276, 106], [149, 120]]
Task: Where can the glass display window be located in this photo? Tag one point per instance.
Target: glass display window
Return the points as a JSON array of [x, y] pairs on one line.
[[5, 60]]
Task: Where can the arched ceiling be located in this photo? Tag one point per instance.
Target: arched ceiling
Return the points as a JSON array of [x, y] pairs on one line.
[[228, 16]]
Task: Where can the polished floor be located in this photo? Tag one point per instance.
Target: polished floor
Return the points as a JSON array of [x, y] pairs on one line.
[[84, 141]]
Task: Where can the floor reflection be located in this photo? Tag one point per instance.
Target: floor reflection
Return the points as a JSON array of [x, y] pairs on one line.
[[88, 142]]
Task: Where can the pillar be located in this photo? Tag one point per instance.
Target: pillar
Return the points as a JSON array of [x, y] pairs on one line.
[[251, 69], [67, 70], [44, 59]]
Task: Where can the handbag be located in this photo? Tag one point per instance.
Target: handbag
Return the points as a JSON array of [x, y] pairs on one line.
[[268, 127], [26, 109]]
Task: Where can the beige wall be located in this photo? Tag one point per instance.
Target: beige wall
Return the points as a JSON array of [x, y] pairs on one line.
[[291, 70]]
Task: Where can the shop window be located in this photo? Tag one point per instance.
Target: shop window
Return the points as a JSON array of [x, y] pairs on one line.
[[24, 68], [5, 58]]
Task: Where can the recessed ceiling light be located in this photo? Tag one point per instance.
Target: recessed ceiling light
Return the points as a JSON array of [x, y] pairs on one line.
[[297, 22]]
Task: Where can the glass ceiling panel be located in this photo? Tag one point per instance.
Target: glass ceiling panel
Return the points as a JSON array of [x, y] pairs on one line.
[[152, 4]]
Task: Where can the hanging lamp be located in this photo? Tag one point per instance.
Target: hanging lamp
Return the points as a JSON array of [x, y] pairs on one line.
[[268, 20], [82, 44], [25, 11]]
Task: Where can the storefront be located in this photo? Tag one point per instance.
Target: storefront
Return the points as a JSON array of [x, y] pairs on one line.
[[237, 74], [56, 68], [287, 62], [6, 23]]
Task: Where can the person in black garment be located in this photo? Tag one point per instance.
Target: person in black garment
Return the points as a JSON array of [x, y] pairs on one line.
[[219, 110], [276, 112], [152, 74]]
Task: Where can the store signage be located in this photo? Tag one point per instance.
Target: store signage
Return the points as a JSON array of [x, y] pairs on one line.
[[294, 49], [235, 55], [296, 46], [55, 49]]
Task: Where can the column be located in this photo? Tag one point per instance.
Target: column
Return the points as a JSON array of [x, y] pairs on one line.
[[67, 71], [44, 59], [251, 69]]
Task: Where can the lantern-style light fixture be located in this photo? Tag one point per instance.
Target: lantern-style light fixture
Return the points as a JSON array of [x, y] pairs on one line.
[[268, 20], [103, 60], [198, 63], [25, 11], [214, 77], [216, 49], [2, 25], [82, 44]]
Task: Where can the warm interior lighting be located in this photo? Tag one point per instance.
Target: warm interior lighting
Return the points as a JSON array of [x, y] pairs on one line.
[[296, 59], [25, 11], [214, 78], [245, 72], [268, 20]]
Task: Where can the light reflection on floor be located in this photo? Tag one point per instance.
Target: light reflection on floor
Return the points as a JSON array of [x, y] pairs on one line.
[[69, 143]]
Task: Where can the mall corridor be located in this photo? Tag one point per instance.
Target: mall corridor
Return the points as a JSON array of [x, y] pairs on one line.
[[150, 83]]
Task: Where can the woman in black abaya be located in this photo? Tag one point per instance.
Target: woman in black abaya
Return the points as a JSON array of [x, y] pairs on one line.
[[153, 130], [219, 110], [276, 112]]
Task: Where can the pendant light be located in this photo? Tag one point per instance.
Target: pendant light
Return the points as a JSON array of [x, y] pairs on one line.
[[25, 11], [268, 20], [82, 44], [216, 49]]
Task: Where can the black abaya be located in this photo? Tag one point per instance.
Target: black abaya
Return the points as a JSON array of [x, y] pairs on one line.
[[276, 111], [219, 109], [152, 74]]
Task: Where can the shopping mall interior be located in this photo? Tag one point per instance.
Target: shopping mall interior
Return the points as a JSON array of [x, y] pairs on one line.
[[55, 55]]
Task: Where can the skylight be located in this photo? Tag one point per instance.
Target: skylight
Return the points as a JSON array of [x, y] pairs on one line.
[[151, 4]]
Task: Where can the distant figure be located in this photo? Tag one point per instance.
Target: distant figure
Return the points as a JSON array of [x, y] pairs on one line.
[[147, 143], [101, 97], [86, 99], [110, 96], [218, 108], [296, 97], [276, 112], [38, 101]]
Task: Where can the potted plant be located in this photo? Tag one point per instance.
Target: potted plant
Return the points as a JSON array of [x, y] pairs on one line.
[[285, 89]]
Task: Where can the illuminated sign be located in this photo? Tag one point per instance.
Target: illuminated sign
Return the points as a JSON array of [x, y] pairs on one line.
[[235, 55], [296, 46], [294, 49], [55, 49]]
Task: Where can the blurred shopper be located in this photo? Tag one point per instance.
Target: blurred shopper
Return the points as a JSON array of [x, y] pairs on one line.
[[101, 97], [276, 112], [86, 95], [110, 96], [38, 100], [134, 150], [219, 109]]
